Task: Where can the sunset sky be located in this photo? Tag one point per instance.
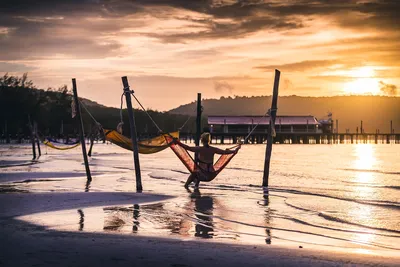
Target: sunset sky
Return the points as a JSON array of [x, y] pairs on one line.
[[170, 50]]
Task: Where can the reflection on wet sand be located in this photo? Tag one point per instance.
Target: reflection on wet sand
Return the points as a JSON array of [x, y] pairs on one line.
[[268, 239], [9, 188], [87, 185], [136, 215], [204, 206], [155, 217], [117, 219], [81, 219], [194, 215]]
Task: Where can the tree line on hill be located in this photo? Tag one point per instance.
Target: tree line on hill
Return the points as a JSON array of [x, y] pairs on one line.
[[51, 110]]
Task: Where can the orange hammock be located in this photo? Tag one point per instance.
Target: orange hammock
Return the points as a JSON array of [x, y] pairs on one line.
[[192, 166], [149, 146]]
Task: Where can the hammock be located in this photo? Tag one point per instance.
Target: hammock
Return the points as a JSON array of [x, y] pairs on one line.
[[51, 145], [148, 146], [64, 143], [193, 167]]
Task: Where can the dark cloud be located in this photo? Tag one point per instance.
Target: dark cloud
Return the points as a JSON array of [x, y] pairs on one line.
[[46, 27], [14, 67], [299, 66], [287, 84], [221, 86], [388, 89]]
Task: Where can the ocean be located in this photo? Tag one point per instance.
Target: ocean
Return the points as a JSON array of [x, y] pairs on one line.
[[320, 196]]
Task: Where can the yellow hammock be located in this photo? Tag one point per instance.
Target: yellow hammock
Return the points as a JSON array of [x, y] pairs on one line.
[[50, 144], [148, 146]]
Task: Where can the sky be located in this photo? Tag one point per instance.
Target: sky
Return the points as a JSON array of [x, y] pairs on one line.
[[172, 50]]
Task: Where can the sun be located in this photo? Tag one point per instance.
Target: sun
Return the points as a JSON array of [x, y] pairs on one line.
[[364, 82]]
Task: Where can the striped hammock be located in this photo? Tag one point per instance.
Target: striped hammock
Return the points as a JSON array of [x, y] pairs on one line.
[[193, 166], [50, 144], [148, 146]]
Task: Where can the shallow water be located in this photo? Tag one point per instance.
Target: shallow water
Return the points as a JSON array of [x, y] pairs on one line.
[[335, 196]]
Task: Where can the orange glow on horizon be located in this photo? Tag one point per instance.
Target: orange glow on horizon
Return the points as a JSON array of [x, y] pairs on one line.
[[364, 82]]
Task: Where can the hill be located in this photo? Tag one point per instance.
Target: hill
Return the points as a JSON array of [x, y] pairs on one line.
[[51, 108], [376, 112]]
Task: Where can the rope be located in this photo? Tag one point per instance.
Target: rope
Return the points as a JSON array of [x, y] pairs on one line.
[[90, 114], [183, 125], [259, 121], [120, 109], [121, 123], [140, 104]]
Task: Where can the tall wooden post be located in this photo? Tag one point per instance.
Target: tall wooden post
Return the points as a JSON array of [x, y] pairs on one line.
[[270, 138], [62, 127], [32, 137], [91, 146], [361, 128], [198, 125], [127, 93], [6, 133], [198, 120], [35, 128], [80, 126], [391, 127]]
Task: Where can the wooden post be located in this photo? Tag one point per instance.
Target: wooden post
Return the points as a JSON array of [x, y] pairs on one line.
[[198, 120], [198, 124], [35, 128], [270, 138], [307, 127], [132, 125], [93, 133], [32, 138], [391, 127], [6, 133], [80, 126], [91, 146]]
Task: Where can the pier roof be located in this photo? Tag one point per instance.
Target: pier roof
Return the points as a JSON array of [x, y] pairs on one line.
[[262, 120]]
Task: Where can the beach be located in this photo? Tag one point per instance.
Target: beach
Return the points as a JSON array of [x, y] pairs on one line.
[[327, 205]]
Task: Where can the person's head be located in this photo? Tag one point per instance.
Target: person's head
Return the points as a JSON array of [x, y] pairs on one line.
[[205, 139]]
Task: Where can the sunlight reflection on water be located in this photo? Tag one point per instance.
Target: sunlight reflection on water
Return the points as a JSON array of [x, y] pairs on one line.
[[338, 195]]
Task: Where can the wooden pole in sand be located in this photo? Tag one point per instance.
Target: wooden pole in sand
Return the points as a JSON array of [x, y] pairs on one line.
[[91, 145], [35, 128], [81, 132], [6, 133], [391, 127], [127, 93], [198, 120], [198, 125], [32, 137], [270, 137]]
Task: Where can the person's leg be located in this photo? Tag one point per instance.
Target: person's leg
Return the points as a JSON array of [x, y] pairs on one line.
[[197, 184], [189, 180]]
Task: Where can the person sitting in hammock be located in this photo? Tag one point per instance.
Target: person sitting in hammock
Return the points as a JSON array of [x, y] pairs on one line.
[[205, 159]]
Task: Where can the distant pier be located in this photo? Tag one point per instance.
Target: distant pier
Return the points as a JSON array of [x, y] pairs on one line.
[[302, 138]]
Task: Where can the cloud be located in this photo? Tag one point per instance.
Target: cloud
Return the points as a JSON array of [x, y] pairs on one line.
[[299, 66], [287, 85], [15, 67], [95, 28], [388, 89], [220, 86]]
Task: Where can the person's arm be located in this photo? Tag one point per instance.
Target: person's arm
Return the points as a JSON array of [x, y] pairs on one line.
[[190, 148], [226, 151]]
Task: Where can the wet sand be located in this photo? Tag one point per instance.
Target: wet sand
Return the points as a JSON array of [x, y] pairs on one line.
[[26, 244], [50, 216]]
